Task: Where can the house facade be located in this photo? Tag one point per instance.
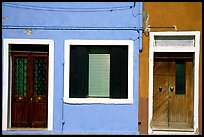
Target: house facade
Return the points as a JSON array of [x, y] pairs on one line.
[[70, 67], [170, 74], [101, 68]]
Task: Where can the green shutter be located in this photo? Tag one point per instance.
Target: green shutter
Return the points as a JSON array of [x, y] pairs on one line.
[[99, 75]]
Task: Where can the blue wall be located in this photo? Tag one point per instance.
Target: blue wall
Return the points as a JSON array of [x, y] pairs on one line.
[[89, 118]]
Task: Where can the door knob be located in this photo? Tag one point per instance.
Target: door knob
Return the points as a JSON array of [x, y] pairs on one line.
[[160, 89], [20, 98], [172, 89], [39, 98], [31, 99]]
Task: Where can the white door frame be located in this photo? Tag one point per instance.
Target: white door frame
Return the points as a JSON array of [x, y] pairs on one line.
[[196, 50], [6, 105]]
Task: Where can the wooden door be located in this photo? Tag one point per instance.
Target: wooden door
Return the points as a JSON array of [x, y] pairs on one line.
[[29, 90], [172, 93]]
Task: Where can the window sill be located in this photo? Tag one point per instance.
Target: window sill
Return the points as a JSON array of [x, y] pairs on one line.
[[15, 128], [97, 101]]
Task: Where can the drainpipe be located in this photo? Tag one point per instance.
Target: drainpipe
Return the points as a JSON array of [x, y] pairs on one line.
[[140, 26], [63, 122]]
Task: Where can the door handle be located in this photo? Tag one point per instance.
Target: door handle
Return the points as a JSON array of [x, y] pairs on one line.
[[31, 99], [39, 98], [160, 89], [171, 89], [20, 99]]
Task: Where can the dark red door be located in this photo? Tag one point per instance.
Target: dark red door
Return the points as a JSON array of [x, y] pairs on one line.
[[29, 90]]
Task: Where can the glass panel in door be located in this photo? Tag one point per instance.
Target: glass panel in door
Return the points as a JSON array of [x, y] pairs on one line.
[[19, 114]]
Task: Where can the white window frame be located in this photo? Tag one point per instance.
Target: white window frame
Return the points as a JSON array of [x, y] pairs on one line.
[[6, 116], [195, 49], [67, 99]]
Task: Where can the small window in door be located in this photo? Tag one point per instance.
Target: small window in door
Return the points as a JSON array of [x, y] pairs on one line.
[[180, 77]]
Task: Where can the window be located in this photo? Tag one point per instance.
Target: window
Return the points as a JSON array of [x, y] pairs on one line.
[[180, 77], [174, 40], [98, 71]]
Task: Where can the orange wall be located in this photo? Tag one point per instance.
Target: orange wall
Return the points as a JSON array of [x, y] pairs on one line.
[[186, 16]]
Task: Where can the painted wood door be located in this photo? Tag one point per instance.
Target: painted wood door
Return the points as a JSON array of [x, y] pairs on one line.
[[29, 100], [172, 93]]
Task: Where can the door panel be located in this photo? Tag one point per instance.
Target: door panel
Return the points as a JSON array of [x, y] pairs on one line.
[[40, 89], [172, 93], [19, 91], [160, 95], [29, 90], [181, 105]]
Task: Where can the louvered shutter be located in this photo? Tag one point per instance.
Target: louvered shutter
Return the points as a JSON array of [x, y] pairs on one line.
[[99, 72]]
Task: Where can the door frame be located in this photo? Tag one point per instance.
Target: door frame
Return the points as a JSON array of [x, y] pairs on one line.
[[195, 49], [6, 90]]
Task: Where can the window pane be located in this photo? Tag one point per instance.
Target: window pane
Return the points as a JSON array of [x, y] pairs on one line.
[[40, 75], [174, 40], [21, 75], [180, 78], [99, 75]]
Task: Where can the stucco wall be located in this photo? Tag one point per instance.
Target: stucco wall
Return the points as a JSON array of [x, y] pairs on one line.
[[186, 16]]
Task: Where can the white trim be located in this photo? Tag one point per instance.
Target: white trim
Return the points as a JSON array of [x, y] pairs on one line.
[[5, 123], [129, 43], [196, 50], [173, 133]]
